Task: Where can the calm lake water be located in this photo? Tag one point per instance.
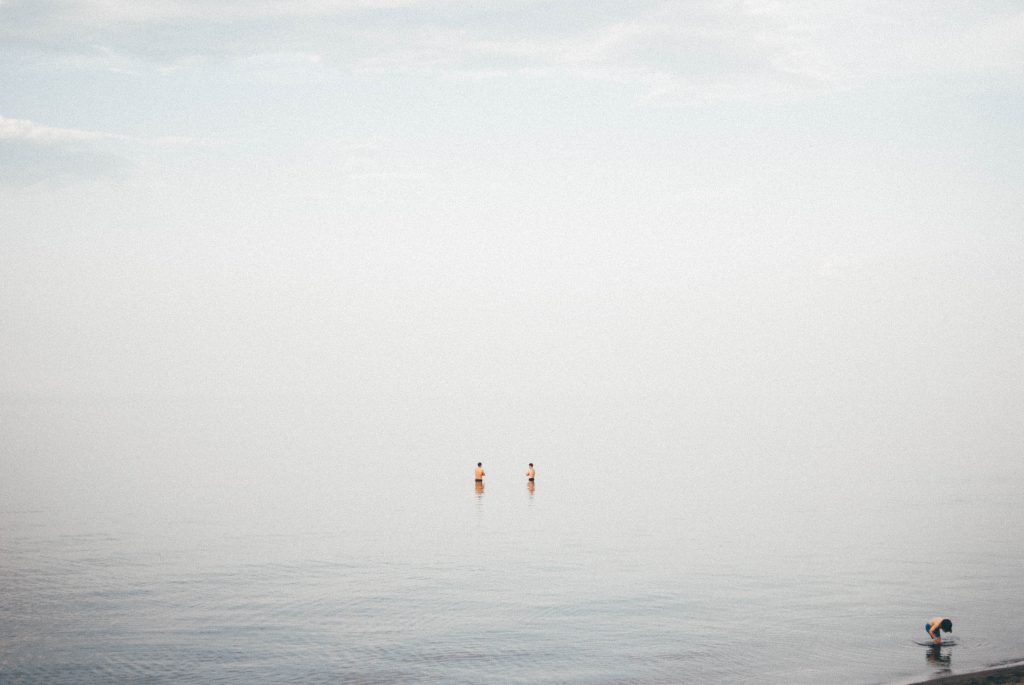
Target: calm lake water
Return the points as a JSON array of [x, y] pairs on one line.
[[181, 542]]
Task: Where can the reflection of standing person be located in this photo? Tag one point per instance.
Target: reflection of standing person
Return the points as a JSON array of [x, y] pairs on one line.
[[479, 472], [937, 625], [530, 473]]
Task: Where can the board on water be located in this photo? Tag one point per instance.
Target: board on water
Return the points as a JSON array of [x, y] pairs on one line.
[[929, 643]]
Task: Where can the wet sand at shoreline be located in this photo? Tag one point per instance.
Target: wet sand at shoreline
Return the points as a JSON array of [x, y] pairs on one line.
[[1004, 675]]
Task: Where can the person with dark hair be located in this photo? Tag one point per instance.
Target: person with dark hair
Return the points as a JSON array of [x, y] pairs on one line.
[[479, 472], [530, 473], [937, 625]]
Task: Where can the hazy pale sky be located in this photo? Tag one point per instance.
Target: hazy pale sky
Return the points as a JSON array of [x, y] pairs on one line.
[[772, 213]]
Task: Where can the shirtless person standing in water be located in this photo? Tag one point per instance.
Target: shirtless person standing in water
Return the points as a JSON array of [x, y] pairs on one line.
[[935, 626]]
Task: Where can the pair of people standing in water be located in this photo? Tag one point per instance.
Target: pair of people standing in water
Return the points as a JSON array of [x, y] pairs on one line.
[[479, 476]]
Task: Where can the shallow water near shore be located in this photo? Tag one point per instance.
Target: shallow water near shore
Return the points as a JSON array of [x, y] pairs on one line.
[[201, 542]]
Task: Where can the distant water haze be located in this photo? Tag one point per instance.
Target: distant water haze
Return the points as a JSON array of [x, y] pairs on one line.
[[768, 385], [304, 457]]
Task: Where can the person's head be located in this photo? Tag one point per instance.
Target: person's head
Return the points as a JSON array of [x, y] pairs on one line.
[[479, 463], [531, 465], [946, 625]]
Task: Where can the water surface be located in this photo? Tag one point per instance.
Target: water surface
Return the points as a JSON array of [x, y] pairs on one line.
[[201, 542]]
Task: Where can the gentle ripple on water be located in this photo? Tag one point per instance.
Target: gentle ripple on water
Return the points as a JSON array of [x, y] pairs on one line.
[[552, 586]]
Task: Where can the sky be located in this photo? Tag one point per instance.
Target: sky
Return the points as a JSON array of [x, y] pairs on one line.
[[525, 220]]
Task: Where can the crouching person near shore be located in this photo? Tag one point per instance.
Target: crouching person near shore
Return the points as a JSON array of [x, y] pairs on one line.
[[937, 625]]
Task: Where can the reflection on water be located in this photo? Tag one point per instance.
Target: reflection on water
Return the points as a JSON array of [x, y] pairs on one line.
[[938, 660]]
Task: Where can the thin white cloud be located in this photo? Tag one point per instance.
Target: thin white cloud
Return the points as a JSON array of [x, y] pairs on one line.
[[145, 11], [30, 131], [281, 67], [725, 51], [277, 59], [664, 55], [33, 133], [991, 44], [694, 51]]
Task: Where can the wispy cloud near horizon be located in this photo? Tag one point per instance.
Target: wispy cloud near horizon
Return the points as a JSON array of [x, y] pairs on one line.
[[30, 131]]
